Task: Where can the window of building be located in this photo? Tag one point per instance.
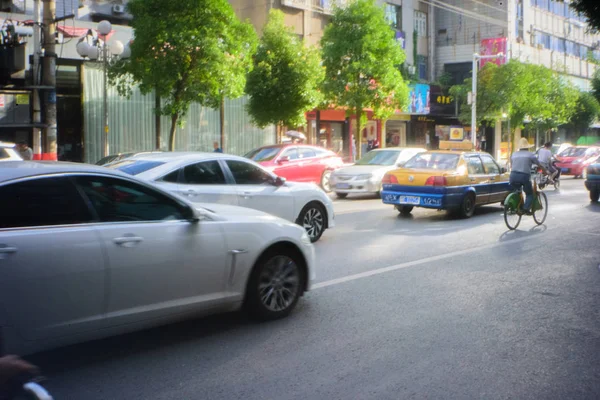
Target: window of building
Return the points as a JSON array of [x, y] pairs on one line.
[[420, 22], [393, 14], [422, 65]]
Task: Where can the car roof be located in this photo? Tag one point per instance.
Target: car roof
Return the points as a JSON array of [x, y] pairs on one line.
[[11, 170], [184, 156], [7, 144]]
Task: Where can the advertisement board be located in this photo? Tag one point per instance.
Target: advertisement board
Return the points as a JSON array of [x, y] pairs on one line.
[[491, 47], [450, 132], [419, 99]]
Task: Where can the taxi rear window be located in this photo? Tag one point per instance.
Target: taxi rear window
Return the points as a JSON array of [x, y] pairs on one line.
[[433, 161]]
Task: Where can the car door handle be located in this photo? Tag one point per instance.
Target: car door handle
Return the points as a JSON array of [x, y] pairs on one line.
[[190, 192], [7, 250], [128, 241], [247, 195], [493, 178]]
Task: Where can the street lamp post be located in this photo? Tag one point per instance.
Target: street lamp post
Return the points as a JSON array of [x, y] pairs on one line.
[[476, 58], [109, 54]]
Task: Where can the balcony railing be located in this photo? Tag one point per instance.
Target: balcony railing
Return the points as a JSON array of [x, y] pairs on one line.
[[322, 6]]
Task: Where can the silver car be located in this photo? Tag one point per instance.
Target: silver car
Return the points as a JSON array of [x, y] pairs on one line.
[[366, 174], [8, 152], [86, 252]]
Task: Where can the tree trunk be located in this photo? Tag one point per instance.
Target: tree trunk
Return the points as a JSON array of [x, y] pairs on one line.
[[357, 138], [222, 122], [174, 118], [157, 119]]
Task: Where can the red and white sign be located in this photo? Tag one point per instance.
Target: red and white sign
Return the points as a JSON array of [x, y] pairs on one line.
[[492, 47]]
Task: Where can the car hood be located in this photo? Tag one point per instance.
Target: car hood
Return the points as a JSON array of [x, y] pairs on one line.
[[567, 160], [364, 169]]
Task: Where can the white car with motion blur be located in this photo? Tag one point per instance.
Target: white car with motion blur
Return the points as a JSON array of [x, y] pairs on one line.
[[8, 152], [87, 252], [228, 179], [365, 175]]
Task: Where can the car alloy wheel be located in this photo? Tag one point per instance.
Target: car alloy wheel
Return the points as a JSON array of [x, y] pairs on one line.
[[467, 207], [276, 284], [279, 283], [326, 181], [313, 220]]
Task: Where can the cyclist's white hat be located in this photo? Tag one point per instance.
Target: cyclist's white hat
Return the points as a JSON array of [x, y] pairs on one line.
[[524, 144]]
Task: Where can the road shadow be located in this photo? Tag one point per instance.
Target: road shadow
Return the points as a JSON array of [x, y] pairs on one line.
[[593, 207], [520, 233], [121, 347]]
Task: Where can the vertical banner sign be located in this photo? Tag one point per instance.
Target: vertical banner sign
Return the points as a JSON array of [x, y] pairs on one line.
[[419, 102], [492, 47], [401, 39]]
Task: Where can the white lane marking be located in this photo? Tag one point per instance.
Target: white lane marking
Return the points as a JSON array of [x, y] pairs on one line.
[[426, 260]]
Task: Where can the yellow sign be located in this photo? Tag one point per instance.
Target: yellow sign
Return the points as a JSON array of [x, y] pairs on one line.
[[444, 99], [399, 117], [449, 145], [22, 99], [457, 134]]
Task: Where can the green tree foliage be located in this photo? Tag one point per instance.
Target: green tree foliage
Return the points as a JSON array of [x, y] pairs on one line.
[[188, 51], [285, 81], [591, 10], [587, 111], [362, 60], [596, 85], [520, 91]]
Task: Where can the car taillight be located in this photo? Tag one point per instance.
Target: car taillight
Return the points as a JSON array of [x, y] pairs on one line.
[[436, 181], [389, 179]]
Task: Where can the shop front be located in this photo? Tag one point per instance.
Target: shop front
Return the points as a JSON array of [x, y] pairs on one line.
[[395, 130]]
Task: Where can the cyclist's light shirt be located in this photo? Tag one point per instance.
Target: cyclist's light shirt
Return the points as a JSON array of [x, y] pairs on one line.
[[522, 161], [545, 155]]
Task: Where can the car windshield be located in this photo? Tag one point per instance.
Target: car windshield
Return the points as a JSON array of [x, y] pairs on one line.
[[433, 161], [263, 154], [132, 167], [573, 152], [386, 157]]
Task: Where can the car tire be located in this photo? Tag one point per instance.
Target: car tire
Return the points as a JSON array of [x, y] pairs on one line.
[[275, 284], [313, 218], [326, 181], [341, 195], [467, 208], [594, 196], [405, 210]]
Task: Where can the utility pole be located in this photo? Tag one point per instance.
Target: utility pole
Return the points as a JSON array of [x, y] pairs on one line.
[[49, 80], [35, 79]]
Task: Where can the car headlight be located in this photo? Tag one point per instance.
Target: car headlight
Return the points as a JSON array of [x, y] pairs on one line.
[[305, 239], [364, 176]]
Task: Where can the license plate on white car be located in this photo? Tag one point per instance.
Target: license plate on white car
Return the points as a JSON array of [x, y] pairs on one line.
[[413, 200], [343, 186]]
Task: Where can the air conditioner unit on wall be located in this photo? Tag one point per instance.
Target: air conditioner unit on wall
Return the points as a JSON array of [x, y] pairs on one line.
[[118, 9]]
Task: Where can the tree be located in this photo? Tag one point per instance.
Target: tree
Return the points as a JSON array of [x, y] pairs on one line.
[[587, 111], [187, 51], [285, 80], [596, 85], [362, 61], [591, 10]]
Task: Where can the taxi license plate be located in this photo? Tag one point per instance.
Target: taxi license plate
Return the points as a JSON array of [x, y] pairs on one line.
[[343, 186], [414, 200], [565, 169]]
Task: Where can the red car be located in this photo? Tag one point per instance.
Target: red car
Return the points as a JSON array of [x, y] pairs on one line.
[[298, 162], [575, 160]]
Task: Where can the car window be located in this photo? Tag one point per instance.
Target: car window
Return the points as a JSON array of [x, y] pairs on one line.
[[118, 200], [291, 153], [4, 154], [474, 165], [263, 154], [306, 152], [489, 164], [133, 167], [443, 161], [248, 174], [42, 202], [172, 177], [204, 173], [381, 157]]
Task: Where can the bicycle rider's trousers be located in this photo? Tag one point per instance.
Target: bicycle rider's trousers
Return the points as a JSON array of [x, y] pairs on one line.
[[518, 179]]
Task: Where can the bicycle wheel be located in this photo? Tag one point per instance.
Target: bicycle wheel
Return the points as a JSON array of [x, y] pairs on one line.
[[511, 217], [541, 209]]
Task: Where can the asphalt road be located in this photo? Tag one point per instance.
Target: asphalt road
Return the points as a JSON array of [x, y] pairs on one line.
[[424, 307]]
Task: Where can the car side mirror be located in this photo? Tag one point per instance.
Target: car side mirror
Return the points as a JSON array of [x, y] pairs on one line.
[[283, 159], [278, 181], [502, 170], [192, 215]]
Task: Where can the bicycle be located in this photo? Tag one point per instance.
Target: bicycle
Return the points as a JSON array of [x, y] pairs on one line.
[[514, 201]]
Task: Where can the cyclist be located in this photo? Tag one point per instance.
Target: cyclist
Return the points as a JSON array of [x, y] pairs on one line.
[[545, 157], [520, 174]]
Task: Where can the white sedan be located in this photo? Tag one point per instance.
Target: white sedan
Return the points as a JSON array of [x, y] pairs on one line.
[[228, 179], [366, 174], [86, 252]]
